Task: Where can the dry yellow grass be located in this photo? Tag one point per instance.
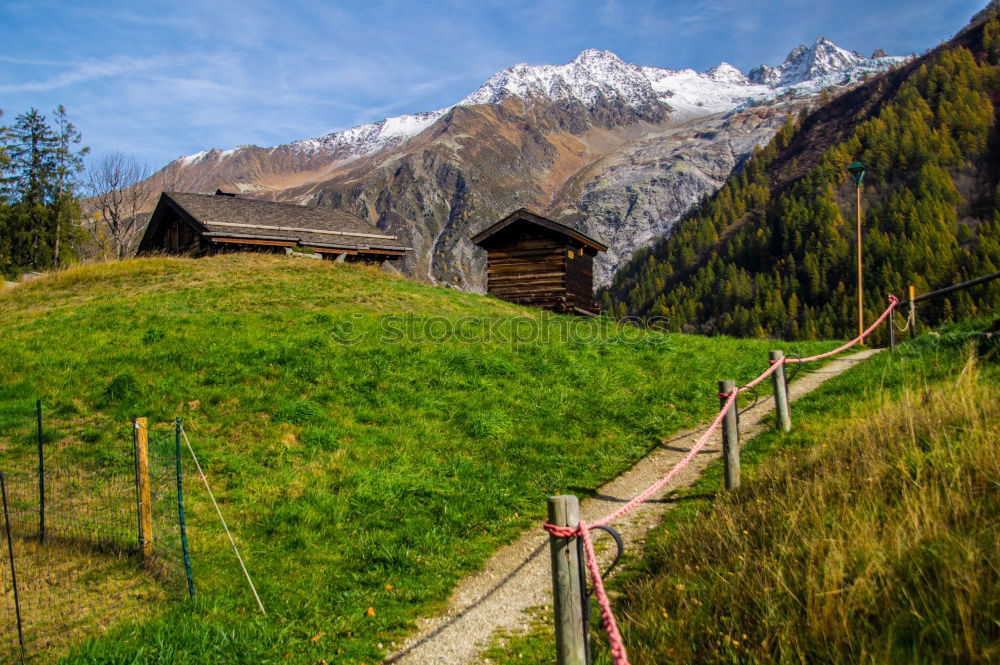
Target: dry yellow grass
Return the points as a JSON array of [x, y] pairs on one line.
[[877, 545]]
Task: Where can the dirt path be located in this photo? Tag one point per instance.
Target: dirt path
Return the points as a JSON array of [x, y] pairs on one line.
[[517, 576]]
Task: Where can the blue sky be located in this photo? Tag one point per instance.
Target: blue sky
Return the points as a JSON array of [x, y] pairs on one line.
[[164, 79]]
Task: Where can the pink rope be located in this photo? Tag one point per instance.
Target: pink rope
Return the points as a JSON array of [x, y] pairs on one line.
[[618, 654], [766, 373], [659, 484], [583, 529], [893, 301]]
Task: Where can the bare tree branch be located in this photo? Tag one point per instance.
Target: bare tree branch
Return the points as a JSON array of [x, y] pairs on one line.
[[120, 189]]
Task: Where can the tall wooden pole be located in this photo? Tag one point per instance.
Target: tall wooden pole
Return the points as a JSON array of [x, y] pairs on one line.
[[861, 322], [13, 574], [566, 592]]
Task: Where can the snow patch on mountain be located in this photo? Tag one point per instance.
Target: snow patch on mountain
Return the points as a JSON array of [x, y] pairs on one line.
[[369, 138], [693, 94], [191, 159]]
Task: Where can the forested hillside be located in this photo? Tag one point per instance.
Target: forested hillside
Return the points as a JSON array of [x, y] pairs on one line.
[[773, 252]]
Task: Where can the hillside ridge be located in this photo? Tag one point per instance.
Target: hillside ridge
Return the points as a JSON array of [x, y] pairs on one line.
[[780, 235]]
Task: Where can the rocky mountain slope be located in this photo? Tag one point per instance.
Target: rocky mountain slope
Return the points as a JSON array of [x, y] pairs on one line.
[[619, 149]]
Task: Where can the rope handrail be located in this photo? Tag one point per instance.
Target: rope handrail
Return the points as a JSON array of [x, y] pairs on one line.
[[619, 656]]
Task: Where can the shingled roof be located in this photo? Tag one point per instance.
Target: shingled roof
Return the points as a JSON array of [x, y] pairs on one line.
[[522, 215], [227, 216]]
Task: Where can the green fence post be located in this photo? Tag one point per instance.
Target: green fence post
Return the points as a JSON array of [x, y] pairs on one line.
[[13, 575], [180, 509], [41, 475]]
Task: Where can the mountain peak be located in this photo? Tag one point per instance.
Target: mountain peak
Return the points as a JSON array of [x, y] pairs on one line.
[[724, 72], [593, 55], [593, 73], [805, 63]]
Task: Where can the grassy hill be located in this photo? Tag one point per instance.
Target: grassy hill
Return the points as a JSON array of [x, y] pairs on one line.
[[371, 438], [866, 535]]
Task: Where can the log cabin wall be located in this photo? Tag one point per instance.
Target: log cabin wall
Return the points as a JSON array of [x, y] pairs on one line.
[[530, 268], [536, 261], [580, 278]]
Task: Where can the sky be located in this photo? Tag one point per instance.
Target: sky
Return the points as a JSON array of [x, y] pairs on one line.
[[159, 80]]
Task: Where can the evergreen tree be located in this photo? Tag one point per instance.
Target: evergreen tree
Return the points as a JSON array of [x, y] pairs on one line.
[[38, 184]]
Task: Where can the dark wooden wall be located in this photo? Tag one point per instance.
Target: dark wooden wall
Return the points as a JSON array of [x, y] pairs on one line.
[[580, 279], [177, 237], [541, 269]]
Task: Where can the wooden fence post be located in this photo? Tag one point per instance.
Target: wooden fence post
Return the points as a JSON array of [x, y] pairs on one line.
[[142, 480], [781, 409], [892, 331], [566, 593], [730, 437], [913, 312]]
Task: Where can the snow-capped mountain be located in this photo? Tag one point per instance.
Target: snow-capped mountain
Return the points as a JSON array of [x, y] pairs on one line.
[[806, 63], [594, 75], [619, 149], [585, 79]]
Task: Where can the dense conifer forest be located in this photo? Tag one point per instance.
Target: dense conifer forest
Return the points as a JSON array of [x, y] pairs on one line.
[[773, 251]]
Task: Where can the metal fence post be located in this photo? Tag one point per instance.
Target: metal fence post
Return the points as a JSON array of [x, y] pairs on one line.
[[730, 437], [41, 475], [13, 574], [566, 575], [781, 391], [913, 312], [180, 509]]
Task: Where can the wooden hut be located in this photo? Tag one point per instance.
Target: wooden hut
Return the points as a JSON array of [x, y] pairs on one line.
[[199, 224], [535, 261]]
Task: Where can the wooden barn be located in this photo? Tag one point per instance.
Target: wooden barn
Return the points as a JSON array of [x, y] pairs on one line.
[[535, 261], [199, 224]]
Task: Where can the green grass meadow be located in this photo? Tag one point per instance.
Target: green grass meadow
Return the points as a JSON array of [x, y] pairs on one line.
[[371, 439]]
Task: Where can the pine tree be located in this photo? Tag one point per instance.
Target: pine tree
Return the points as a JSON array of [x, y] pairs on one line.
[[68, 164], [39, 182]]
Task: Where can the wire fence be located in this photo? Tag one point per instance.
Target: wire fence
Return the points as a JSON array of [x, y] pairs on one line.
[[72, 560]]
